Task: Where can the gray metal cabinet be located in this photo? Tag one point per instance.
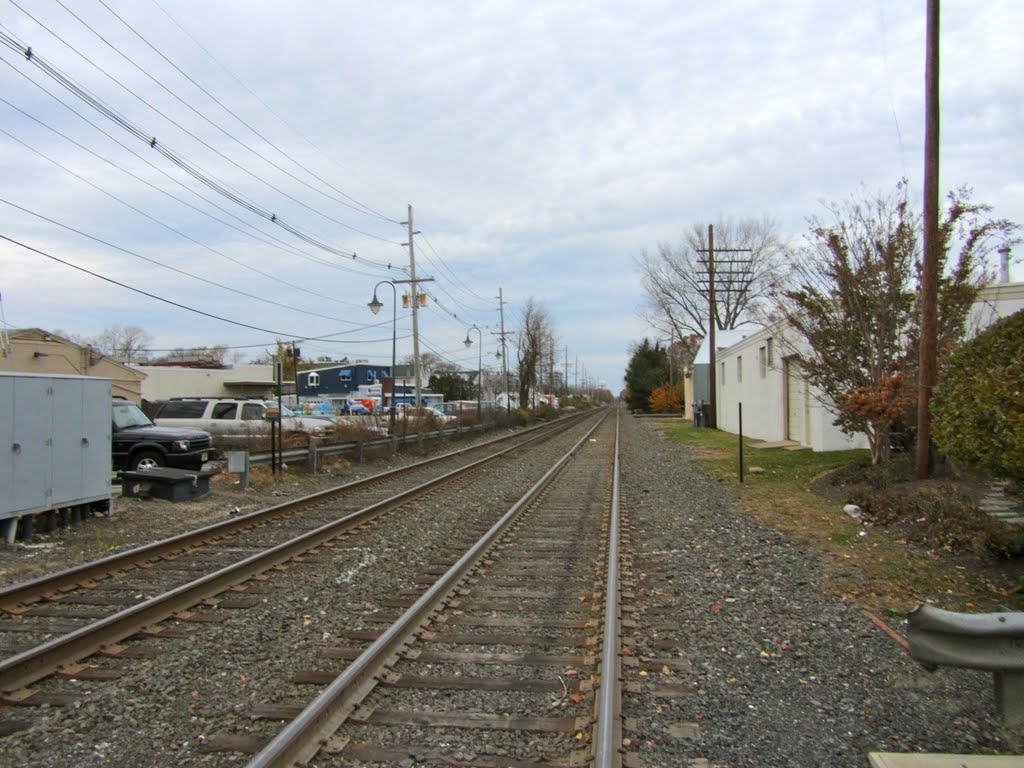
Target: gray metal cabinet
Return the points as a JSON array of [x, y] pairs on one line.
[[55, 449]]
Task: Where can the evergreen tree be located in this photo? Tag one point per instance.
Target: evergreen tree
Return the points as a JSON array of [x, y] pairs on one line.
[[647, 370]]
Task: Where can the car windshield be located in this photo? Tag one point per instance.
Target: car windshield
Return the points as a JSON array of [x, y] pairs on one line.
[[129, 415]]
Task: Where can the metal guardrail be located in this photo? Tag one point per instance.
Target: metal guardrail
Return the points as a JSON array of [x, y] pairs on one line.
[[338, 449], [992, 642]]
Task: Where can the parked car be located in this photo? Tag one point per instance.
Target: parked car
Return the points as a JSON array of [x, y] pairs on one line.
[[138, 444], [316, 408], [235, 419], [355, 408]]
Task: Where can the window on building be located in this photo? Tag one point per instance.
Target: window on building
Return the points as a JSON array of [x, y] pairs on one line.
[[722, 377], [739, 367], [771, 352], [762, 361], [345, 375], [313, 380], [370, 375]]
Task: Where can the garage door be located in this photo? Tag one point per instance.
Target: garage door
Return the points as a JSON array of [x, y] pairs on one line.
[[796, 402]]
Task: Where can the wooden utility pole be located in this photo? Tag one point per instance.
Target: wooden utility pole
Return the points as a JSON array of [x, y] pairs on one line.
[[504, 353], [712, 323], [930, 269], [415, 309]]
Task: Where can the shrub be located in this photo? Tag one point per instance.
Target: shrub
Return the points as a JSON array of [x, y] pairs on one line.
[[667, 399], [978, 409]]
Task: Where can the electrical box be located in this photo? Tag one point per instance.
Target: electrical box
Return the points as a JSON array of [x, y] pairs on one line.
[[54, 442]]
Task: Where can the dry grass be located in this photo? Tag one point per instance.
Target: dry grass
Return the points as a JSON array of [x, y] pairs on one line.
[[890, 567]]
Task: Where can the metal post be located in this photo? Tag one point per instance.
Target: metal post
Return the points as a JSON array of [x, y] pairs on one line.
[[741, 441]]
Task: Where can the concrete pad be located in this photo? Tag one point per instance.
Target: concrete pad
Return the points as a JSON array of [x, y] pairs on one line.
[[774, 444], [922, 760]]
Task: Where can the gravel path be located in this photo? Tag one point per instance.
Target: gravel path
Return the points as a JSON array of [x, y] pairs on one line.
[[781, 674]]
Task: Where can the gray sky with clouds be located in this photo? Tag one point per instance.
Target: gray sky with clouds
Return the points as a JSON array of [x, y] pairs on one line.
[[541, 145]]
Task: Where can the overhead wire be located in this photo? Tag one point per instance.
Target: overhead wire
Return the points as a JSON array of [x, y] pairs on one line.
[[207, 179], [156, 262], [147, 293], [238, 80], [187, 105], [280, 243], [455, 278]]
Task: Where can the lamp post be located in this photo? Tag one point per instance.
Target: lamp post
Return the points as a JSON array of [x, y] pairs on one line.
[[375, 306], [479, 364]]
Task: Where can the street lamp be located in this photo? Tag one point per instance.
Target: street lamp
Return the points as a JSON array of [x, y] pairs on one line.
[[479, 364], [375, 307]]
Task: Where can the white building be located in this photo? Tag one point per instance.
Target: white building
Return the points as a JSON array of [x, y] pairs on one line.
[[762, 371]]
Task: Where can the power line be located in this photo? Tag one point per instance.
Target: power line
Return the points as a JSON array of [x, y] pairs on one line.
[[175, 269], [188, 106], [269, 109], [281, 244], [146, 293], [196, 172]]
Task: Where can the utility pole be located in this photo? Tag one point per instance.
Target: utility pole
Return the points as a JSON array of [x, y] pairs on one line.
[[565, 383], [732, 275], [712, 323], [504, 354], [930, 269], [415, 309]]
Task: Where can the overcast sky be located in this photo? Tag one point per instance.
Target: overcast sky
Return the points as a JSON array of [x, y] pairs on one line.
[[542, 146]]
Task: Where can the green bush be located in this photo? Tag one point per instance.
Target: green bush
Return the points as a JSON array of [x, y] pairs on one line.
[[978, 409]]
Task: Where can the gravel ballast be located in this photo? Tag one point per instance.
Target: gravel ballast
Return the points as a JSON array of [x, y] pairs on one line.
[[779, 674]]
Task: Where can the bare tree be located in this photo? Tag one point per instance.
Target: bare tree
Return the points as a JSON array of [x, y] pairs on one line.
[[675, 278], [534, 347], [125, 342], [430, 363]]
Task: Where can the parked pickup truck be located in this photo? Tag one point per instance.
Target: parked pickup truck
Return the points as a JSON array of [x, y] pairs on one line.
[[136, 443], [234, 419]]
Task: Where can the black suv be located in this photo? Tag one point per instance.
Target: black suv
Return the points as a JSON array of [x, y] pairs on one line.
[[137, 443]]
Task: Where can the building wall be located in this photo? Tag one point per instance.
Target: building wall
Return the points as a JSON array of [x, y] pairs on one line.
[[163, 382], [764, 396], [34, 351], [340, 380], [995, 302]]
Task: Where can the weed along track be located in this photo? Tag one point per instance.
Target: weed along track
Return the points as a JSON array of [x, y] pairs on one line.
[[68, 636]]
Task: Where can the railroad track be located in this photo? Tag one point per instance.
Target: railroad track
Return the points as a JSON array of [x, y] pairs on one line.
[[509, 658], [52, 624]]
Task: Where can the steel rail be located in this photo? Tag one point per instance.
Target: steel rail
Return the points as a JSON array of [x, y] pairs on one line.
[[14, 596], [36, 663], [608, 708], [301, 739]]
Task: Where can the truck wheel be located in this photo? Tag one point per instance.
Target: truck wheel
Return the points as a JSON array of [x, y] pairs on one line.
[[145, 460]]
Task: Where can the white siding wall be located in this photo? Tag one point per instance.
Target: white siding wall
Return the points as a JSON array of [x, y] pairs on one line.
[[764, 398]]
